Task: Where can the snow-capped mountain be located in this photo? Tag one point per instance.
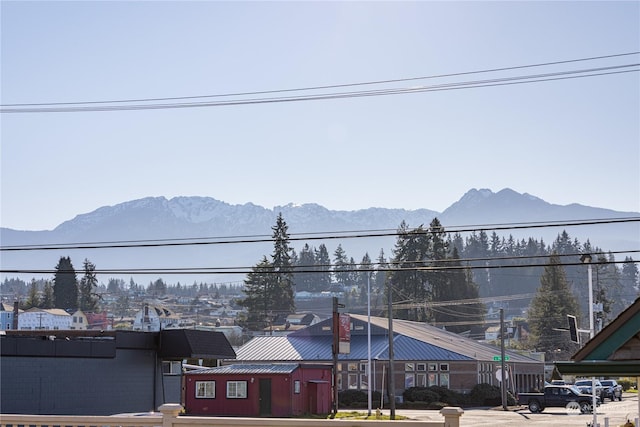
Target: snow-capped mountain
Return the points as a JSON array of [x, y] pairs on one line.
[[155, 218]]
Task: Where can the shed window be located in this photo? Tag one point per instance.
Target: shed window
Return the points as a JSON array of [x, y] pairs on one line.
[[296, 386], [236, 389], [205, 389]]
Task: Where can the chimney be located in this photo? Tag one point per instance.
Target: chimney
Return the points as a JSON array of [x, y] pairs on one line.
[[15, 316]]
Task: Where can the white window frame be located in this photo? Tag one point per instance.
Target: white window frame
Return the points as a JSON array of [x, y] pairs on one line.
[[205, 389], [236, 389]]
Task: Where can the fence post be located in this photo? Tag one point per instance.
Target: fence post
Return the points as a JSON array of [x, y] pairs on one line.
[[170, 412], [451, 416]]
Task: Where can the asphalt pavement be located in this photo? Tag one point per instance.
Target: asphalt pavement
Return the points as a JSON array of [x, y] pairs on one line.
[[615, 413]]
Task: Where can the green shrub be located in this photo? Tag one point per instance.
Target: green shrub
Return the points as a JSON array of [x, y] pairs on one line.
[[357, 399], [626, 384], [489, 395]]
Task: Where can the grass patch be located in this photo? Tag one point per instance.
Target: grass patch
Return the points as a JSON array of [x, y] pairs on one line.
[[358, 415]]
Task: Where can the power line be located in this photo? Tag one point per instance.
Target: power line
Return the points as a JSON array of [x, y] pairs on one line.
[[538, 78], [246, 270], [309, 88], [308, 236]]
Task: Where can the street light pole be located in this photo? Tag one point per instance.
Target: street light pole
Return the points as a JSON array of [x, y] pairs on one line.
[[586, 259], [369, 344]]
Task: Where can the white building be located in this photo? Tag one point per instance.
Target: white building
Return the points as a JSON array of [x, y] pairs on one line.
[[39, 318], [154, 318]]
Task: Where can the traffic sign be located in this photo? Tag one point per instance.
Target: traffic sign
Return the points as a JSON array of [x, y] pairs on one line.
[[499, 359]]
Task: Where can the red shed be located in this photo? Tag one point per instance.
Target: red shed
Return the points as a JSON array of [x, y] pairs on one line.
[[267, 390]]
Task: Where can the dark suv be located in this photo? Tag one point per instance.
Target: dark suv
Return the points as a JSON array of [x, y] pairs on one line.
[[611, 389]]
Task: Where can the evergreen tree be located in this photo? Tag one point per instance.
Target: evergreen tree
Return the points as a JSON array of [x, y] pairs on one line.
[[409, 284], [629, 277], [47, 295], [269, 286], [323, 268], [282, 268], [115, 286], [65, 285], [33, 297], [87, 299], [259, 295], [341, 267], [549, 309], [379, 282], [304, 276]]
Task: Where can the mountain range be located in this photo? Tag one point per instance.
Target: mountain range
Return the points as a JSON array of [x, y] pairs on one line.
[[158, 218]]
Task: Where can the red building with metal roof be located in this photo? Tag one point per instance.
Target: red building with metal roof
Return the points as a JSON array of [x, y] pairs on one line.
[[253, 390]]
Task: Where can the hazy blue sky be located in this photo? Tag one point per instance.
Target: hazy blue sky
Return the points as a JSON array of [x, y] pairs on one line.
[[565, 141]]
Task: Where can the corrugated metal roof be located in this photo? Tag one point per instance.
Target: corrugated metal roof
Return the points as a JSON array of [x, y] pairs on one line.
[[413, 341], [251, 369]]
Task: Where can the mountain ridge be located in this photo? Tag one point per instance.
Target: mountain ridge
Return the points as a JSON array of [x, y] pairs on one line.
[[190, 217]]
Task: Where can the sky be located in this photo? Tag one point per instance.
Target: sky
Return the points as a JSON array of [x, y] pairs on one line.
[[569, 140]]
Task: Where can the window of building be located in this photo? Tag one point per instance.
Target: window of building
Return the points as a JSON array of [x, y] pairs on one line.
[[353, 381], [296, 386], [363, 381], [421, 366], [205, 389], [353, 366], [433, 379], [433, 367], [444, 366], [444, 380], [408, 367], [172, 367], [236, 389], [421, 380], [409, 380]]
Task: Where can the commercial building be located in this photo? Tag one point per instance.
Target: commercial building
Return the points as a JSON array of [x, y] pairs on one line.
[[423, 356]]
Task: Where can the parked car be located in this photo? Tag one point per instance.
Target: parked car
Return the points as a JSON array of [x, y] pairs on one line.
[[557, 396], [611, 389], [585, 387]]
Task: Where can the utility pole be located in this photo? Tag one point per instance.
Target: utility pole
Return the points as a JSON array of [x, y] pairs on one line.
[[391, 383], [503, 381], [335, 349]]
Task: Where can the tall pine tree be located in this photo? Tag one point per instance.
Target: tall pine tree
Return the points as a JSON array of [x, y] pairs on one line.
[[269, 289], [549, 309], [87, 299], [65, 285]]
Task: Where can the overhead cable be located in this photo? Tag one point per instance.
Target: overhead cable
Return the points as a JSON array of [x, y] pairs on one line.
[[198, 241], [536, 78]]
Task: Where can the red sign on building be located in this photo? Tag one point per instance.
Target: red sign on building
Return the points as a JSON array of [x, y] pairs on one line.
[[344, 331]]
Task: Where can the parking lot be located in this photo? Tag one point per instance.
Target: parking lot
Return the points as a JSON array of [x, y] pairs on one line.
[[617, 413]]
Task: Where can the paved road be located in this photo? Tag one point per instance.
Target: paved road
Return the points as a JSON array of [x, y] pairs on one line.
[[616, 412]]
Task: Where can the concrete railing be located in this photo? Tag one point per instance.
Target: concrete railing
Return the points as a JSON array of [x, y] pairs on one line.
[[170, 417]]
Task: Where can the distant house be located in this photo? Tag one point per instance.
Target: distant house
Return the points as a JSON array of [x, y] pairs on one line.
[[253, 390], [84, 321], [155, 318], [79, 321], [6, 317], [39, 318], [292, 322]]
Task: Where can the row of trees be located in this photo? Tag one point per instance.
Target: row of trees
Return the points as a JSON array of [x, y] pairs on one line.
[[428, 266], [65, 292]]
